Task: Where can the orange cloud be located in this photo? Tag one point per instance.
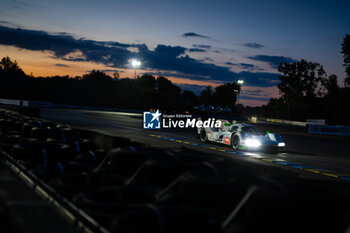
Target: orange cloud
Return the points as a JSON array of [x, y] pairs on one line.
[[41, 63]]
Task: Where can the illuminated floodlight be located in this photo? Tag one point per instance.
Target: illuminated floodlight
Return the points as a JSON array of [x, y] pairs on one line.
[[135, 63], [281, 144], [240, 82]]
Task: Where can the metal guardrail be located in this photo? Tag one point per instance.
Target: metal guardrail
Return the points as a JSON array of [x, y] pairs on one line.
[[329, 130], [44, 104], [24, 103], [287, 122], [314, 126]]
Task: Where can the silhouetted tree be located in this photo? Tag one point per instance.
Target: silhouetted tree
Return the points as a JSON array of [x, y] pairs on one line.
[[168, 94], [299, 87], [275, 108], [226, 94], [146, 92], [96, 75], [206, 95], [331, 101], [330, 84], [9, 69], [116, 75], [346, 53], [189, 99]]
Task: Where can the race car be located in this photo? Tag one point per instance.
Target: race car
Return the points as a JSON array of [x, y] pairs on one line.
[[241, 136]]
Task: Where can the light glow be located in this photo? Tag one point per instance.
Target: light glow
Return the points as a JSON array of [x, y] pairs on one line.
[[252, 142], [135, 63], [281, 144]]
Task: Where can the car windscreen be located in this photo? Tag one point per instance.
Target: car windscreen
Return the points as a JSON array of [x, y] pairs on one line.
[[250, 130]]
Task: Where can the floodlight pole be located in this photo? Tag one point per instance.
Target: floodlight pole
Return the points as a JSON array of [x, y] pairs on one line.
[[240, 83], [135, 63]]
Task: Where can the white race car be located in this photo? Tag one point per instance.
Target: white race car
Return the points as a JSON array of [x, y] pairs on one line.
[[240, 136]]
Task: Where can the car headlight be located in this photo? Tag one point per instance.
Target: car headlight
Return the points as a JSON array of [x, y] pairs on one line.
[[252, 142], [281, 144]]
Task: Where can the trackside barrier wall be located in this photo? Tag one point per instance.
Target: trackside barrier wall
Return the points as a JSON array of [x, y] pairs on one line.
[[40, 104], [280, 121], [316, 121], [23, 103], [329, 130], [44, 104]]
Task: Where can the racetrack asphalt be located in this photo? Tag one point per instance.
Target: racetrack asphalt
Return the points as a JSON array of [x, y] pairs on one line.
[[312, 156]]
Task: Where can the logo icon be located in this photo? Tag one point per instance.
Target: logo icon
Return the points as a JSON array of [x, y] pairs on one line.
[[151, 120]]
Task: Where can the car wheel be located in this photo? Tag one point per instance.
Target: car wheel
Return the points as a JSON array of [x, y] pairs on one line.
[[203, 135], [235, 141]]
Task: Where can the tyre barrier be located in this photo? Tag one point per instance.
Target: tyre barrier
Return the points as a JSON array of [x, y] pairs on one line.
[[168, 219], [126, 161], [69, 185], [22, 110], [91, 157], [116, 196], [138, 188], [50, 171], [197, 191]]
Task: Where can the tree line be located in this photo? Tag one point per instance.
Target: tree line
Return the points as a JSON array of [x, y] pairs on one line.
[[306, 91], [99, 89]]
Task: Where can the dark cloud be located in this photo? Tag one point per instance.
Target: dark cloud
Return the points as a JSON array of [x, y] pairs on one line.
[[247, 97], [254, 45], [254, 95], [62, 65], [187, 66], [4, 22], [193, 34], [168, 51], [259, 79], [64, 44], [170, 59], [117, 44], [258, 93], [246, 65], [197, 89], [196, 50], [208, 59], [19, 4], [202, 46], [109, 70], [274, 61]]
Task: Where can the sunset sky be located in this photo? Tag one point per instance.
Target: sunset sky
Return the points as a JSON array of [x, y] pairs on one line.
[[193, 43]]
